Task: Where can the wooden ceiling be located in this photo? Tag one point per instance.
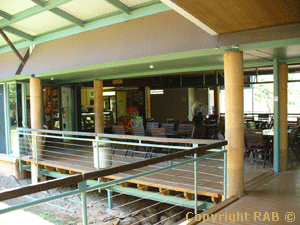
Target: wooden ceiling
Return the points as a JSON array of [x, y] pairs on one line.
[[239, 15]]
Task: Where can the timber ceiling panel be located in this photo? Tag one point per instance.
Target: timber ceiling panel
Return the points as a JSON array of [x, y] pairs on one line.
[[238, 15], [132, 3]]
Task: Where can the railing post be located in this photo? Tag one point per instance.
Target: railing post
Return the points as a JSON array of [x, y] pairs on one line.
[[36, 154], [109, 198], [82, 188], [20, 162], [98, 162], [225, 174], [195, 180]]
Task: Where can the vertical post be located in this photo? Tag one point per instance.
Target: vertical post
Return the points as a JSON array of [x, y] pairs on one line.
[[225, 175], [234, 122], [109, 199], [195, 184], [276, 117], [283, 81], [36, 153], [148, 103], [36, 121], [195, 180], [217, 100], [98, 103], [20, 160], [82, 188]]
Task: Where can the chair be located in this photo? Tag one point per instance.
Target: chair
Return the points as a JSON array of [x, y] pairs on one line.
[[158, 132], [255, 144], [294, 142], [198, 132], [169, 127], [120, 130], [150, 125], [186, 128], [137, 131]]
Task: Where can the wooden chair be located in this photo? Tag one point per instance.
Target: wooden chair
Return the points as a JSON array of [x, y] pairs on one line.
[[294, 142], [255, 144], [198, 132]]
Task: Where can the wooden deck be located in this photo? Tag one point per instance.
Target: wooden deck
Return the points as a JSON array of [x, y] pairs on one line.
[[180, 179], [276, 202]]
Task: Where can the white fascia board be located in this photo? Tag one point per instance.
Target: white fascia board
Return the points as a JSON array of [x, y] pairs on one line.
[[190, 17]]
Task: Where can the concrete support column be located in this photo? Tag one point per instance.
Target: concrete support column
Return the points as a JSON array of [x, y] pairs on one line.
[[36, 123], [148, 103], [98, 104], [283, 81], [217, 100], [234, 121]]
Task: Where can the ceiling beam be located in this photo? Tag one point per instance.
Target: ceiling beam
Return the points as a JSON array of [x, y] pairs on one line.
[[61, 13], [190, 17], [5, 15], [12, 46], [18, 33], [32, 11], [39, 2], [119, 5], [118, 18], [67, 16]]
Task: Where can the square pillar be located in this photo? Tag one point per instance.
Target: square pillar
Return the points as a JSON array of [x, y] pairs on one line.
[[234, 122]]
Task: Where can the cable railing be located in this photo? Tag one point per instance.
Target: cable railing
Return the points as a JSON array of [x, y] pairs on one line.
[[184, 174]]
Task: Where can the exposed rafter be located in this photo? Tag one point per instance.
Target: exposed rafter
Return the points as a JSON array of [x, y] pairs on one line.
[[18, 33], [118, 18], [32, 11], [12, 46], [61, 13], [5, 15], [39, 2], [119, 5], [67, 16]]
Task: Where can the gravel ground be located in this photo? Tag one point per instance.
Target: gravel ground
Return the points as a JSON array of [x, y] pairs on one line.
[[127, 210]]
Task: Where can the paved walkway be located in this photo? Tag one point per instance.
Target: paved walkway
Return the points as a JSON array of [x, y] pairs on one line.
[[21, 217], [276, 202]]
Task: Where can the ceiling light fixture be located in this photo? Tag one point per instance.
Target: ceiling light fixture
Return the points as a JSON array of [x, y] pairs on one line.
[[234, 46], [52, 78], [151, 66]]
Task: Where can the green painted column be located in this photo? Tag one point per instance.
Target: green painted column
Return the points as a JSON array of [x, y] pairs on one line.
[[276, 147]]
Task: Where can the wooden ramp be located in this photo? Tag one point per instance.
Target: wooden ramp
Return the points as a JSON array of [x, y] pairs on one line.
[[276, 202]]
